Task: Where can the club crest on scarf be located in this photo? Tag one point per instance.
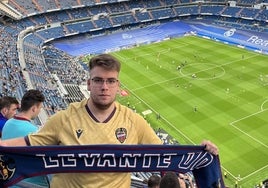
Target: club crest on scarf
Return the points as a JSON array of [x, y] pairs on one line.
[[121, 134], [7, 167]]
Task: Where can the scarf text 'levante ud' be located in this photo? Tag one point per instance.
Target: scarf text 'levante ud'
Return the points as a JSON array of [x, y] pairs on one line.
[[17, 163]]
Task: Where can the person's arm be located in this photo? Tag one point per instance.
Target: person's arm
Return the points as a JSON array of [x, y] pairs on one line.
[[13, 142], [210, 147]]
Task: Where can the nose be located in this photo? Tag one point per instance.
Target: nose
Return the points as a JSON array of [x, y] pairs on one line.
[[104, 84]]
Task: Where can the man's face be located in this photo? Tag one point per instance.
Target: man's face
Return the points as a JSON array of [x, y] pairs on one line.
[[11, 111], [103, 86]]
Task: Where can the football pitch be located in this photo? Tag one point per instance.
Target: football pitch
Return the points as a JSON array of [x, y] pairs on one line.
[[195, 89]]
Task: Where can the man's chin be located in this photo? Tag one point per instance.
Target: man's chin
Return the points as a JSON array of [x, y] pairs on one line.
[[103, 106]]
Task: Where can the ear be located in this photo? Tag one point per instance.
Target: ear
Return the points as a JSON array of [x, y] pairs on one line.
[[4, 111], [33, 108]]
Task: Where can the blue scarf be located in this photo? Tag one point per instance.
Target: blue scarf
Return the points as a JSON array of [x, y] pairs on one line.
[[17, 163]]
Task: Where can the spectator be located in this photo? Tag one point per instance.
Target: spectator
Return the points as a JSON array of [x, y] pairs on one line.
[[186, 179], [96, 120], [20, 125], [8, 108], [171, 180], [154, 181]]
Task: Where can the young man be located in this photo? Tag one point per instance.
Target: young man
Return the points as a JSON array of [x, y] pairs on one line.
[[20, 125], [154, 181], [171, 180], [97, 120], [8, 108]]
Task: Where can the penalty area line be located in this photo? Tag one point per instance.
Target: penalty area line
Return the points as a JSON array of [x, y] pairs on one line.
[[253, 138]]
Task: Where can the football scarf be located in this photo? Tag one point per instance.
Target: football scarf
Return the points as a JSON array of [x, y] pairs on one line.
[[17, 163]]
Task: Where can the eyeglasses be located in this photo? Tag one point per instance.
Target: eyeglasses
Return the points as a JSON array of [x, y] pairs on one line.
[[110, 82]]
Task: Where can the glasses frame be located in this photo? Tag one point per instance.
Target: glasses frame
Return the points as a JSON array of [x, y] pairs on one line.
[[110, 82]]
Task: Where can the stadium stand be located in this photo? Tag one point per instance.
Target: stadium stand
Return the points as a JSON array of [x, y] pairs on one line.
[[29, 31]]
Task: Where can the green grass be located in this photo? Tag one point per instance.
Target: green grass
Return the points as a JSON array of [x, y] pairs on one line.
[[229, 91]]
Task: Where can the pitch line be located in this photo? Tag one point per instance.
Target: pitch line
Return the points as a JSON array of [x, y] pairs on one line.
[[178, 131], [248, 116], [262, 105], [256, 171], [253, 138], [228, 172]]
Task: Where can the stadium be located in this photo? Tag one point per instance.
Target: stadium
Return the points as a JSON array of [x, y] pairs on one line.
[[193, 69]]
